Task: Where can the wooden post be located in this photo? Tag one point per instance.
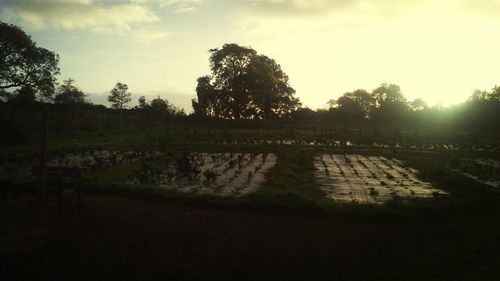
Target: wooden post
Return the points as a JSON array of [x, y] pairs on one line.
[[99, 120], [43, 156], [76, 117], [121, 117]]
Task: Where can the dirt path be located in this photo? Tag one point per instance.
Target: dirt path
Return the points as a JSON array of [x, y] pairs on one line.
[[124, 239]]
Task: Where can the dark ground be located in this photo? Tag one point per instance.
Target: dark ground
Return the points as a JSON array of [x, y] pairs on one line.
[[113, 238]]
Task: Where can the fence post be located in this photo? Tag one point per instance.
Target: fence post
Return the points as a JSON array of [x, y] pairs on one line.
[[99, 116], [43, 156], [76, 117]]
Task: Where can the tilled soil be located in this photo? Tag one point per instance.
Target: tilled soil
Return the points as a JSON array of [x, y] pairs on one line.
[[125, 239]]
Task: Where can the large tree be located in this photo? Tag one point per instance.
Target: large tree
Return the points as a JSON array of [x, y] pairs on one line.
[[353, 105], [388, 93], [22, 63], [244, 84], [119, 96], [390, 104], [69, 93]]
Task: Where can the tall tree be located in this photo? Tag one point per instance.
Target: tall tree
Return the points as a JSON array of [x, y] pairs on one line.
[[495, 94], [142, 102], [390, 104], [356, 104], [22, 63], [119, 96], [418, 104], [206, 102], [388, 93], [244, 84], [69, 93], [270, 93], [162, 106]]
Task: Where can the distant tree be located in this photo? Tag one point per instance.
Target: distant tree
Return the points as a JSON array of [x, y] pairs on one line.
[[119, 96], [69, 93], [353, 105], [418, 104], [162, 106], [206, 103], [22, 63], [142, 102], [495, 94], [304, 113], [482, 110], [390, 104], [25, 95], [388, 93], [479, 95], [244, 84]]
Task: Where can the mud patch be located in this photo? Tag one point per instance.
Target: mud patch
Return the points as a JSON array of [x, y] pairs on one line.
[[370, 179]]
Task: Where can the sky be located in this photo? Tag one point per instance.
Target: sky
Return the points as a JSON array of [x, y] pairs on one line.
[[438, 50]]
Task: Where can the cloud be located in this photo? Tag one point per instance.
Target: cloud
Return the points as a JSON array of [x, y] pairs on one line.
[[371, 7], [318, 7], [98, 16], [182, 6], [178, 6], [185, 10]]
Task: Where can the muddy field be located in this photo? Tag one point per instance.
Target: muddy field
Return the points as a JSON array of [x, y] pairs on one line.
[[370, 179], [211, 173], [483, 170]]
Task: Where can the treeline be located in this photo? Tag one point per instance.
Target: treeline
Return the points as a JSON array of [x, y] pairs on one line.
[[387, 105]]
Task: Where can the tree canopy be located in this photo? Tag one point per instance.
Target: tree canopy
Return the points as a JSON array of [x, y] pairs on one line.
[[159, 106], [244, 84], [385, 103], [119, 96], [69, 93], [22, 63]]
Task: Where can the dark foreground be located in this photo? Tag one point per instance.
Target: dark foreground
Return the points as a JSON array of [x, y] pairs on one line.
[[111, 238]]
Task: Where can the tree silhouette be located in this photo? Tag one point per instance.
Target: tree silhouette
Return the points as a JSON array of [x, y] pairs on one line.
[[390, 104], [418, 105], [353, 105], [244, 84], [22, 63], [119, 96], [25, 95], [495, 94], [142, 102], [68, 93], [206, 103]]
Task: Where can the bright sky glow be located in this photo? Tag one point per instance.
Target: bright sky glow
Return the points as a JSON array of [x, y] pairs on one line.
[[434, 49]]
